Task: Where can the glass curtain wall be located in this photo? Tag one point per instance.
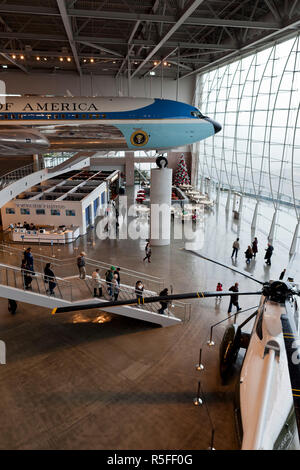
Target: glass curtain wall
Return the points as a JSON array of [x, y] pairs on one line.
[[256, 99]]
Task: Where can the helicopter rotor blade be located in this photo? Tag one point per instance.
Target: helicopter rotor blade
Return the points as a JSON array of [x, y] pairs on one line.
[[291, 341], [147, 300], [239, 271]]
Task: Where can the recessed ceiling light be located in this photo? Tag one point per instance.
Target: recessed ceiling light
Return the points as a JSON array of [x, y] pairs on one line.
[[4, 66], [61, 59], [92, 61], [152, 72], [38, 58], [69, 59], [14, 56], [22, 57]]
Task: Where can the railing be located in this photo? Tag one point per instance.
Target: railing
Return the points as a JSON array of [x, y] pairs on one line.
[[178, 309], [15, 175], [27, 280], [16, 277], [129, 276]]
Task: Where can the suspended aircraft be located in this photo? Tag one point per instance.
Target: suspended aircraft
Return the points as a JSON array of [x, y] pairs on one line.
[[36, 124], [268, 410]]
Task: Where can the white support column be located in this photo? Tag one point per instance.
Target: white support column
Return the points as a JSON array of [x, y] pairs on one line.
[[241, 207], [228, 201], [218, 194], [293, 248], [272, 228], [36, 162], [254, 219], [160, 206]]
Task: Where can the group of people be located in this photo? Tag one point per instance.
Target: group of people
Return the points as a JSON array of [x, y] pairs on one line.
[[252, 251], [28, 273], [234, 298]]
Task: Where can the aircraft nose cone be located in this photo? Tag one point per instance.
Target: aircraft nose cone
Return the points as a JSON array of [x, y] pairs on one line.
[[216, 125]]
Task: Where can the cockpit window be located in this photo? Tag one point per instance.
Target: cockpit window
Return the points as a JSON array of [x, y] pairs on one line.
[[197, 114]]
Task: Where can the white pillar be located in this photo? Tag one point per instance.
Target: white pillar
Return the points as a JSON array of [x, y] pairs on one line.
[[160, 206], [228, 201], [254, 219], [36, 162], [272, 229], [293, 248]]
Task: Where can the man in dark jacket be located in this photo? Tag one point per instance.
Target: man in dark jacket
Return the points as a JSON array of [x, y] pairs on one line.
[[269, 253], [164, 303], [234, 298]]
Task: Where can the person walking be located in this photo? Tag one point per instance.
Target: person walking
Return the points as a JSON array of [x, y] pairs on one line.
[[29, 259], [49, 277], [164, 303], [282, 274], [109, 278], [81, 265], [219, 288], [139, 288], [148, 252], [236, 247], [96, 282], [255, 247], [249, 254], [269, 253], [234, 298], [26, 275], [115, 288], [117, 273]]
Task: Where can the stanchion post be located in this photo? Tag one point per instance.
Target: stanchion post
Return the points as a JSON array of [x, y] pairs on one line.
[[211, 447], [197, 401], [200, 366], [210, 342]]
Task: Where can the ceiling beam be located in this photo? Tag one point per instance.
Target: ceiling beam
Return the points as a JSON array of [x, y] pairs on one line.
[[113, 41], [253, 45], [130, 47], [188, 11], [100, 48], [67, 24], [129, 16], [13, 61]]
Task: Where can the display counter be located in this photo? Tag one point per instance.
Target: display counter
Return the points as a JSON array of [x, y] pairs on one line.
[[50, 236]]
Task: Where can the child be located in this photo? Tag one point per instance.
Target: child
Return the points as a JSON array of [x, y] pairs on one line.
[[219, 289]]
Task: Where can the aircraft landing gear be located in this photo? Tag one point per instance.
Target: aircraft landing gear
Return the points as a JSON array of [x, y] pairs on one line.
[[12, 306], [232, 341]]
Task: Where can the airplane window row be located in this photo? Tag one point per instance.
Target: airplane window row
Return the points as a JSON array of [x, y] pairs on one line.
[[51, 116]]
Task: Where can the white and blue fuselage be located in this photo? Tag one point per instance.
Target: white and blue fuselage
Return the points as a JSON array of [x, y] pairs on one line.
[[102, 123]]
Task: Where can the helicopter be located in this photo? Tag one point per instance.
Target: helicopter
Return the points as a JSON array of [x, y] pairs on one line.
[[268, 409]]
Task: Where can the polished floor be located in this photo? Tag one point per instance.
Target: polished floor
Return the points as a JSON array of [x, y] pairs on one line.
[[90, 380]]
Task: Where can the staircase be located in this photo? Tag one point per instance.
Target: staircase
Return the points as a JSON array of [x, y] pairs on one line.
[[72, 290]]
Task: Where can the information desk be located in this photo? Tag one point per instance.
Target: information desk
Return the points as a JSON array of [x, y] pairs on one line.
[[44, 235]]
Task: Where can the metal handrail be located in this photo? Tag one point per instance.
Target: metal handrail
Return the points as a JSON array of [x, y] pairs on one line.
[[15, 175], [129, 293], [35, 277], [90, 262]]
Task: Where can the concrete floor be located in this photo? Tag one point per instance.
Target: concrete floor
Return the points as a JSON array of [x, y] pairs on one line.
[[90, 380]]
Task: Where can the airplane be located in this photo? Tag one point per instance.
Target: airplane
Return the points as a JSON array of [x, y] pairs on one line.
[[268, 409], [36, 124]]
